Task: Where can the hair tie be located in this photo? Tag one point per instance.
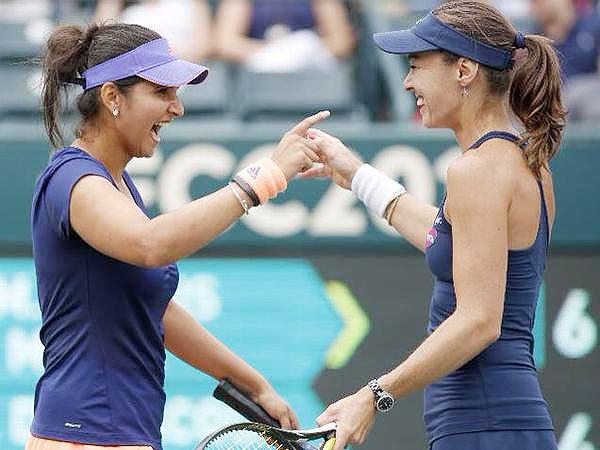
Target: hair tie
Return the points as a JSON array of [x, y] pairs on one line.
[[520, 40], [78, 80]]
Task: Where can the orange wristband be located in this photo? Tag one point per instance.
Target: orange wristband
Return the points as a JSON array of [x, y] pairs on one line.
[[265, 178]]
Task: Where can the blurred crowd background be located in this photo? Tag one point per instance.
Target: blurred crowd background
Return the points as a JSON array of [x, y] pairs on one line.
[[270, 58]]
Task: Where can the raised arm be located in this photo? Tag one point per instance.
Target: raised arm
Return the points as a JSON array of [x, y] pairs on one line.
[[112, 224], [411, 217]]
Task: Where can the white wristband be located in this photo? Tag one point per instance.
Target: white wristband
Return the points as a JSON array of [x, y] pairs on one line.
[[375, 189]]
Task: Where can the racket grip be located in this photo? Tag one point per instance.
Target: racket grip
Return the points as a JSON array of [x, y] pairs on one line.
[[239, 400]]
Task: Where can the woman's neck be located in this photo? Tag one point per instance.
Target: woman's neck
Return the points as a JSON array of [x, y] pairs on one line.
[[106, 151], [475, 122]]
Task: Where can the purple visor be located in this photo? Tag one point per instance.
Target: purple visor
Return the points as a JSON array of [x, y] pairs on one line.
[[152, 61]]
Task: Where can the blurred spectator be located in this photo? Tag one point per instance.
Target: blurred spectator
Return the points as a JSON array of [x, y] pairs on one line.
[[513, 9], [186, 24], [576, 35], [24, 10], [284, 35]]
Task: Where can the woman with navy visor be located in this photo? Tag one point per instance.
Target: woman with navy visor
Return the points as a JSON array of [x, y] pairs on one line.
[[105, 271], [499, 91]]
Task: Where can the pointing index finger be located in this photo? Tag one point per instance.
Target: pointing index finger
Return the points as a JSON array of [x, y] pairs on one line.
[[302, 128]]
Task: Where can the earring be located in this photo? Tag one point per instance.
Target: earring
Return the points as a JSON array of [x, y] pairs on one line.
[[115, 111], [465, 92]]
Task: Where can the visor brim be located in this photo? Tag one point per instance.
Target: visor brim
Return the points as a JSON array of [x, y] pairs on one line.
[[402, 42], [175, 73]]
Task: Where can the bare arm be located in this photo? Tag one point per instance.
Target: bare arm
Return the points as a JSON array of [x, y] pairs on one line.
[[112, 224], [200, 45], [479, 202], [231, 29], [412, 217], [334, 27], [192, 343]]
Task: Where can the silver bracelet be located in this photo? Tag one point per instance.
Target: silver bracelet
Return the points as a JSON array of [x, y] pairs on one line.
[[242, 201]]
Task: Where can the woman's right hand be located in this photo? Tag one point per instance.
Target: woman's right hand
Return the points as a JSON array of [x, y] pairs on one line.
[[338, 162], [295, 153]]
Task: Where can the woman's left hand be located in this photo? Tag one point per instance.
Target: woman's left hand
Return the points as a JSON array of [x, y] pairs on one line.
[[277, 408], [354, 416]]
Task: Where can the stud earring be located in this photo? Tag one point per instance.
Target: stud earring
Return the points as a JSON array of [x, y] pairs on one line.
[[465, 92], [115, 111]]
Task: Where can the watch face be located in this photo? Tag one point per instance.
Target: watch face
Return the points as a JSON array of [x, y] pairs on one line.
[[385, 403]]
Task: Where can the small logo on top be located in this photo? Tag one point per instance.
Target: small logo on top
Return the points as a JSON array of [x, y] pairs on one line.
[[431, 237]]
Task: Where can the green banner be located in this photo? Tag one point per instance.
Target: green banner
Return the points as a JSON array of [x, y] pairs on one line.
[[195, 159]]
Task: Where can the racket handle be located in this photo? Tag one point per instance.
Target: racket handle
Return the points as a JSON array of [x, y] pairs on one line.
[[238, 400]]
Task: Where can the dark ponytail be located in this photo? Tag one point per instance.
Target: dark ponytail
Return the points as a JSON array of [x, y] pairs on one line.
[[533, 82], [64, 58], [535, 98], [70, 50]]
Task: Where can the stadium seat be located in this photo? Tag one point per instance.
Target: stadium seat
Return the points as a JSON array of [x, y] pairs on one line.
[[212, 95], [16, 41], [258, 94], [19, 89]]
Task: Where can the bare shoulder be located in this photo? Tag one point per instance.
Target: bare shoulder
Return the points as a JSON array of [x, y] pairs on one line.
[[487, 167], [482, 178]]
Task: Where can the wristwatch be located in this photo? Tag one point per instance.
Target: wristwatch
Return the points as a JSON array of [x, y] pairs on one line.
[[383, 400]]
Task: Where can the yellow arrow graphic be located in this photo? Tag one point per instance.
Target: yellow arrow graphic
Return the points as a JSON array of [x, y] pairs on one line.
[[356, 325]]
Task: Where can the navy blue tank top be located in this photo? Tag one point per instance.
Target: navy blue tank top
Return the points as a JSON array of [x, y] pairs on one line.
[[296, 15], [499, 388]]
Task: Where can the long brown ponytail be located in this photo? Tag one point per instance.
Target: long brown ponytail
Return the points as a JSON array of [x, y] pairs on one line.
[[69, 51], [535, 98], [533, 83]]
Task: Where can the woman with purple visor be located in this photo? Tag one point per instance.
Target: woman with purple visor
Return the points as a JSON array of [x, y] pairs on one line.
[[106, 272], [498, 90]]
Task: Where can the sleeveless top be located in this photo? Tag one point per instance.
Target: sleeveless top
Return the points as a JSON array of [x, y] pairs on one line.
[[101, 324], [498, 389], [294, 14]]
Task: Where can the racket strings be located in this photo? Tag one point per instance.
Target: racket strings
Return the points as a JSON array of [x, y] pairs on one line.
[[246, 440]]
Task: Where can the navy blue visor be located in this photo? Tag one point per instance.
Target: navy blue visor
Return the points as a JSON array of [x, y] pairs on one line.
[[430, 33]]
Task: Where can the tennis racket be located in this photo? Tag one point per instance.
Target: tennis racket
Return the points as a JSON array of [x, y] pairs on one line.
[[263, 432], [259, 436]]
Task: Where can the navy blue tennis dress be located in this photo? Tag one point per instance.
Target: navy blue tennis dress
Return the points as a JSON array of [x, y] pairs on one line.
[[494, 401], [101, 324]]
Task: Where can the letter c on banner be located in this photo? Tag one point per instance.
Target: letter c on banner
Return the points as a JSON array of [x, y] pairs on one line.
[[186, 164]]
